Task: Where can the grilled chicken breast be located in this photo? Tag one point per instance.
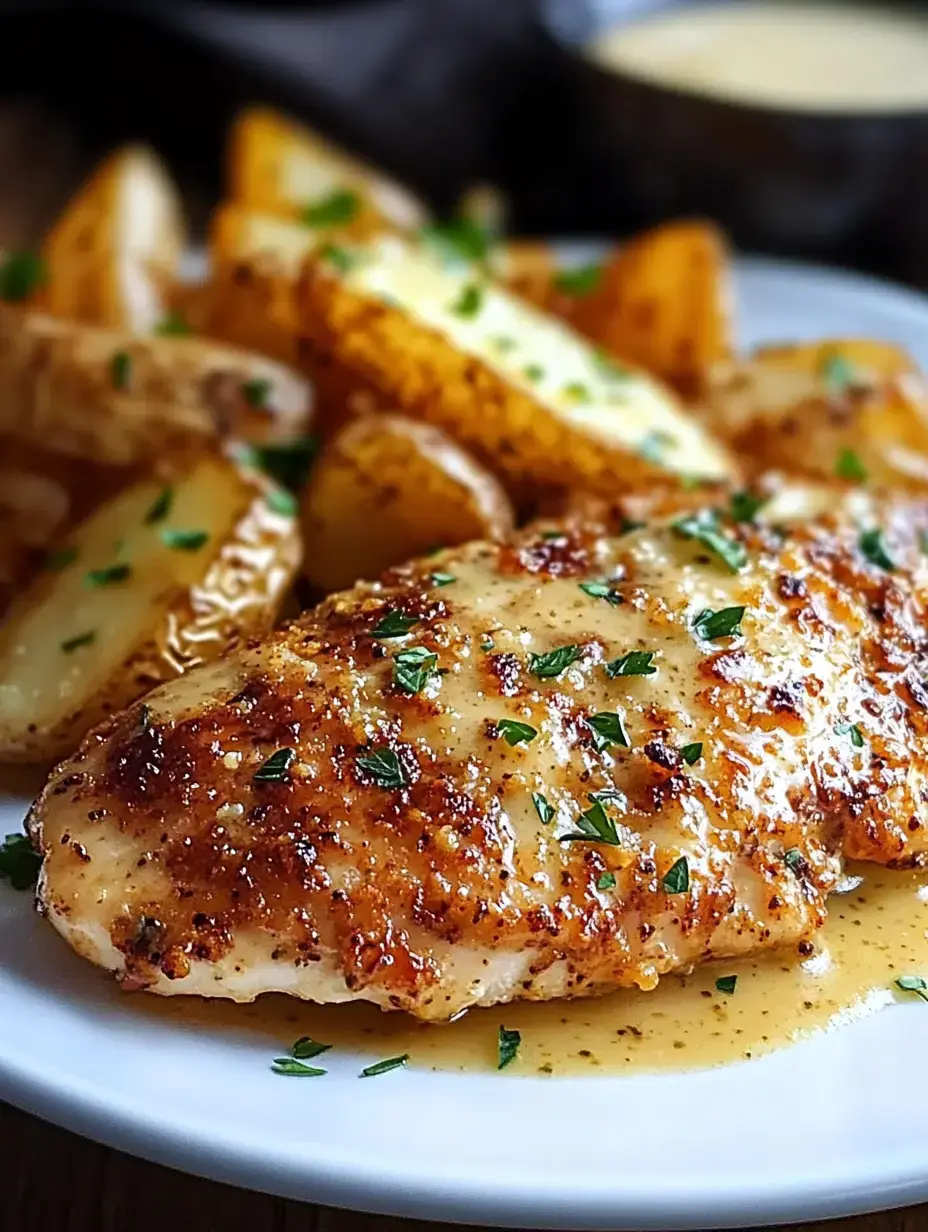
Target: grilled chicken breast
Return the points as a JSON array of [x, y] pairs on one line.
[[543, 769]]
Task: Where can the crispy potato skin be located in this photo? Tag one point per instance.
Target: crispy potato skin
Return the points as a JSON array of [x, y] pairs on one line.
[[178, 395], [365, 354], [664, 302], [388, 488], [447, 889], [244, 577]]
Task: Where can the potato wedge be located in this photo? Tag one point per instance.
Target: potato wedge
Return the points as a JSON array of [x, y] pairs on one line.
[[281, 167], [41, 494], [849, 409], [117, 244], [109, 398], [388, 327], [387, 489], [250, 297], [528, 268], [162, 578], [663, 302]]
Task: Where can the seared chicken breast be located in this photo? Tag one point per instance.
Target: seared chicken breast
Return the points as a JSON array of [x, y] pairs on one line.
[[573, 762]]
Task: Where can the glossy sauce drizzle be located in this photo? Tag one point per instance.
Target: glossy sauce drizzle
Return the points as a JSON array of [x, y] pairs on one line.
[[877, 930]]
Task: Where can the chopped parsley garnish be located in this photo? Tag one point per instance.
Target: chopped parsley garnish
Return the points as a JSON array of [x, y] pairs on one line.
[[108, 576], [837, 373], [184, 540], [913, 983], [726, 622], [577, 392], [635, 663], [581, 281], [19, 862], [852, 730], [384, 1067], [504, 344], [56, 561], [394, 624], [21, 274], [595, 825], [745, 506], [257, 392], [606, 729], [384, 768], [601, 590], [288, 462], [794, 860], [691, 753], [677, 878], [414, 668], [874, 549], [277, 767], [282, 501], [544, 810], [460, 239], [442, 579], [704, 528], [508, 1044], [551, 664], [514, 732], [726, 984], [292, 1068], [469, 302], [172, 326], [606, 881], [850, 467], [305, 1048], [533, 372], [82, 639], [653, 446], [160, 506], [121, 369], [338, 208], [338, 256]]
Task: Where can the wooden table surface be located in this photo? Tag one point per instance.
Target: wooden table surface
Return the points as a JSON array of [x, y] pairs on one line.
[[53, 1181]]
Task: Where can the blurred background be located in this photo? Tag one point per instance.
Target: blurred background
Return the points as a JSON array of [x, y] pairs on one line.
[[448, 92]]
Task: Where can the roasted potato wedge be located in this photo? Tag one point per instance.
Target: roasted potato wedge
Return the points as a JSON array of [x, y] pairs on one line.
[[281, 167], [849, 409], [250, 297], [117, 245], [120, 401], [528, 268], [155, 581], [42, 494], [387, 489], [663, 302], [388, 327]]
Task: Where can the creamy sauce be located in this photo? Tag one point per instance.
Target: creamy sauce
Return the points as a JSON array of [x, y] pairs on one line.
[[819, 57], [877, 930]]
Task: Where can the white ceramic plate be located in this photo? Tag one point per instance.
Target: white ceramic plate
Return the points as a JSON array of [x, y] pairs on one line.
[[832, 1126]]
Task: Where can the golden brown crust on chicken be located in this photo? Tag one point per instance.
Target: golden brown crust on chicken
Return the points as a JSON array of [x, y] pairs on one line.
[[402, 858]]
